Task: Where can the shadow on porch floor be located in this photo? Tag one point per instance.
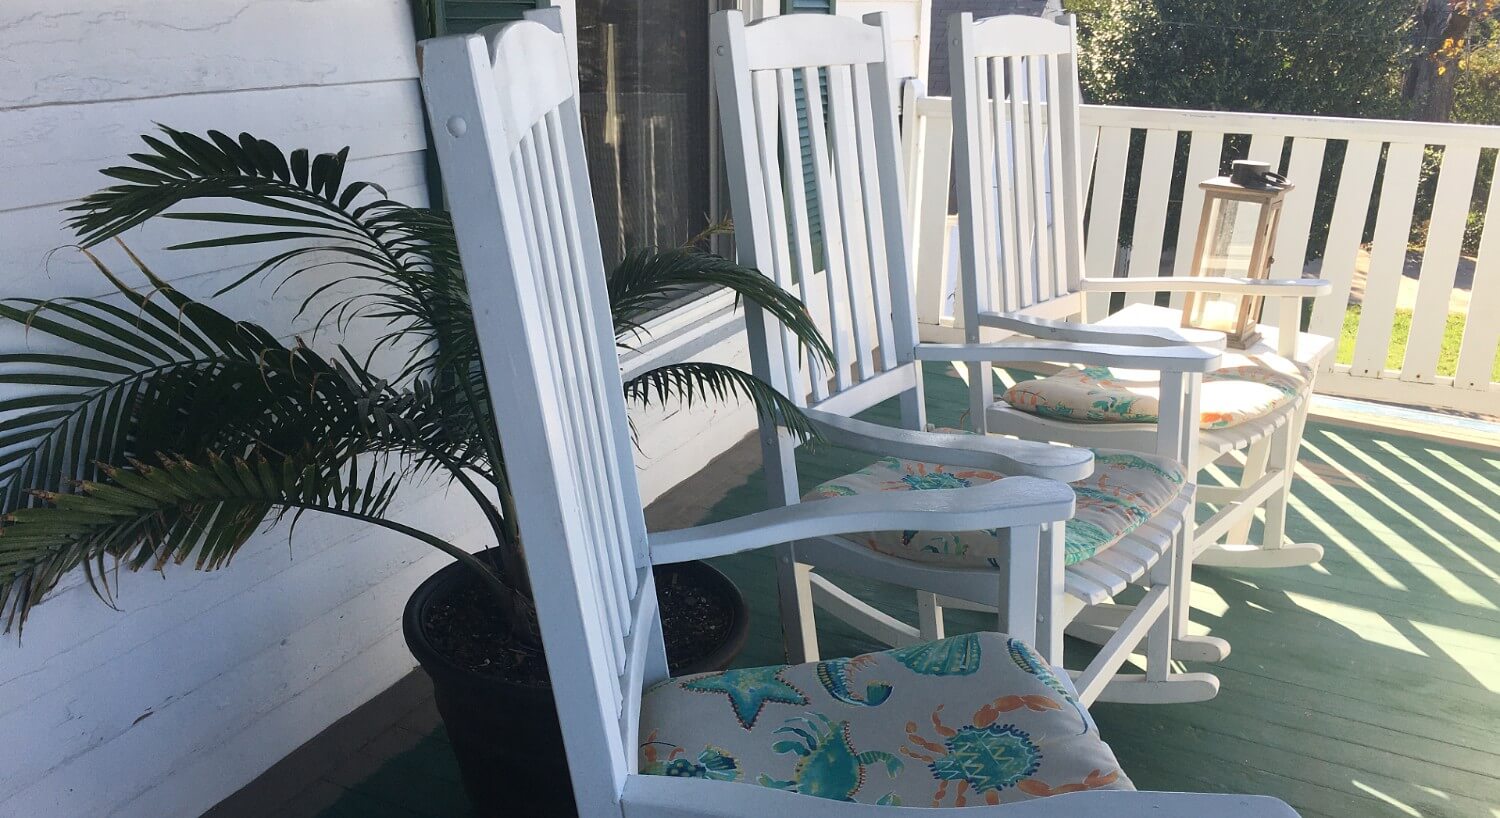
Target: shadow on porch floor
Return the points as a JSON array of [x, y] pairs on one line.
[[1368, 685]]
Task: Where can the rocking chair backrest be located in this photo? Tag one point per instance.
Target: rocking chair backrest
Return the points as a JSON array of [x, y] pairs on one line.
[[1017, 159], [808, 106], [506, 127]]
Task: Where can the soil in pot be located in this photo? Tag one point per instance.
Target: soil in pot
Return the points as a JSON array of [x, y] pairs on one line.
[[493, 692], [703, 623]]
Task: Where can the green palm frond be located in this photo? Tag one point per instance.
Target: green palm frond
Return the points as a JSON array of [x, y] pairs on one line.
[[650, 278], [693, 381], [405, 258], [178, 510], [167, 373]]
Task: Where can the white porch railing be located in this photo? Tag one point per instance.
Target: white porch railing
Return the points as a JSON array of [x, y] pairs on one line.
[[1404, 322]]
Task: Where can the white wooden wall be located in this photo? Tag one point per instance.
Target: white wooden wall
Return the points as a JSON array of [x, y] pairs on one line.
[[911, 22], [202, 681]]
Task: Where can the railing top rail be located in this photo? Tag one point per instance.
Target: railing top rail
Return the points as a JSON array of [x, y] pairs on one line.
[[1326, 127], [1322, 127]]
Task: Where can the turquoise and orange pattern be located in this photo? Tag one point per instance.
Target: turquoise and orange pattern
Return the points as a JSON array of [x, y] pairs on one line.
[[962, 721], [1125, 490], [1230, 396]]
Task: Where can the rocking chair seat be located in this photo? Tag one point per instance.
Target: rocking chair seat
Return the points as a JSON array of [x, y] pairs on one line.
[[1126, 490], [1246, 388], [973, 719]]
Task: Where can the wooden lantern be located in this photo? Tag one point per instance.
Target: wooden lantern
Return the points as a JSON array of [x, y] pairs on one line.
[[1235, 237]]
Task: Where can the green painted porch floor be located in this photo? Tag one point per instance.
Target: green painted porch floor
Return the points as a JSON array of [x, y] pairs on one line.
[[1367, 685]]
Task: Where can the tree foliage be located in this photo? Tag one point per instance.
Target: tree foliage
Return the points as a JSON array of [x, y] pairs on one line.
[[1329, 57]]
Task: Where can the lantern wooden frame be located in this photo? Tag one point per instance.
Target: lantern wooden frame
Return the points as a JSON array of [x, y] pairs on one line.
[[1245, 332]]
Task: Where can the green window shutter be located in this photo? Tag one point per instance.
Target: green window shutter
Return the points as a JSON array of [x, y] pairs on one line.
[[814, 213], [465, 16], [435, 18]]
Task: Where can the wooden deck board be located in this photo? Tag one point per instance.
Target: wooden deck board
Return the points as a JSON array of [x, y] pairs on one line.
[[1366, 686]]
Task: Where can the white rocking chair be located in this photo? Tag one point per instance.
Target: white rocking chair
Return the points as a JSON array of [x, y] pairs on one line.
[[1021, 181], [1133, 508], [507, 133]]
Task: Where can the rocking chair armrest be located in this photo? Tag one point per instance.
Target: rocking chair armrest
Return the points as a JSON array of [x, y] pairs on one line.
[[1010, 501], [1051, 329], [1270, 288], [988, 452], [1161, 359]]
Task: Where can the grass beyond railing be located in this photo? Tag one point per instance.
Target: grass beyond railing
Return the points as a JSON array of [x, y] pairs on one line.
[[1453, 333]]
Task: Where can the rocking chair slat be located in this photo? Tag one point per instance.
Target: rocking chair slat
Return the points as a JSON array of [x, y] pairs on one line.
[[764, 97], [1021, 138], [840, 299], [1002, 236], [609, 582], [852, 216], [875, 220], [1063, 273], [1041, 269], [795, 183]]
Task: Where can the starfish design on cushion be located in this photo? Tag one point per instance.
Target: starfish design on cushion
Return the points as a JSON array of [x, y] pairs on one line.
[[748, 690]]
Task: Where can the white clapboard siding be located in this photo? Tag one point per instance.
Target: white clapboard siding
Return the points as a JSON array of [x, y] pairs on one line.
[[53, 153], [1383, 152], [201, 681], [909, 21], [206, 678], [68, 53], [39, 262]]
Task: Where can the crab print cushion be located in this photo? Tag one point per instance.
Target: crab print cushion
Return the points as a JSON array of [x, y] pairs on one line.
[[970, 720], [1230, 396], [1125, 491]]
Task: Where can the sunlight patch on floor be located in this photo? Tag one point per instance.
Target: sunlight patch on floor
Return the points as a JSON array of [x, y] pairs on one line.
[[1370, 626], [1208, 601], [1427, 500], [1331, 535], [1439, 576], [1463, 469], [1479, 657], [1386, 798]]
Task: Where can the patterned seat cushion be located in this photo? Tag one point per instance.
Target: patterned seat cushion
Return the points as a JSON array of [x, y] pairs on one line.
[[973, 719], [1124, 491], [1230, 396]]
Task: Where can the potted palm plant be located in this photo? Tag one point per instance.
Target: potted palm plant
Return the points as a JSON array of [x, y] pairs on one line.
[[167, 432]]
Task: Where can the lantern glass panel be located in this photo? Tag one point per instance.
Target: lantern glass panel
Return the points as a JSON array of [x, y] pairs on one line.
[[1230, 251]]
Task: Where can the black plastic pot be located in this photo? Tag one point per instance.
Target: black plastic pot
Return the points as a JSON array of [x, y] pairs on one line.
[[506, 736]]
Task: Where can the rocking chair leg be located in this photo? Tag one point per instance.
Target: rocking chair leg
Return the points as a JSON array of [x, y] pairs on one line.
[[1275, 530], [794, 591], [1187, 646], [1273, 551], [929, 616], [1050, 595], [1255, 468]]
